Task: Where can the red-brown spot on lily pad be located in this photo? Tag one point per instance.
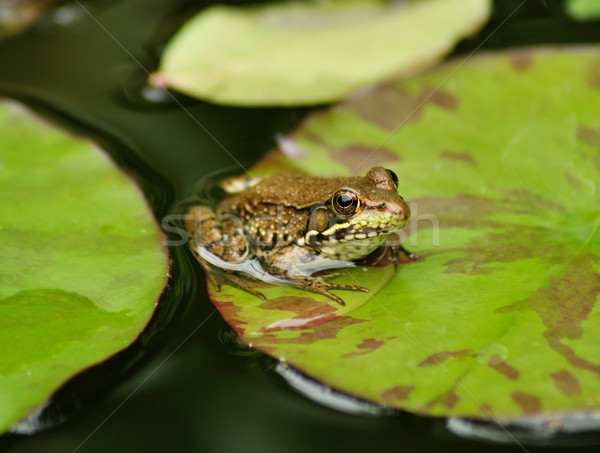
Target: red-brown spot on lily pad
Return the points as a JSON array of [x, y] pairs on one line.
[[521, 59], [230, 312], [573, 181], [450, 399], [485, 409], [391, 106], [565, 303], [308, 312], [440, 98], [594, 75], [325, 331], [499, 365], [397, 394], [447, 399], [591, 137], [388, 106], [450, 212], [471, 211], [365, 347], [566, 383], [520, 305], [358, 158], [510, 245], [529, 404], [439, 357], [462, 157]]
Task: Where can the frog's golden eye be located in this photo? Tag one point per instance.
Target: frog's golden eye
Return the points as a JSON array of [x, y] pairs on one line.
[[345, 202], [394, 177]]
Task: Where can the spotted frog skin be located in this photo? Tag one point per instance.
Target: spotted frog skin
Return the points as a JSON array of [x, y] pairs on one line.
[[294, 225]]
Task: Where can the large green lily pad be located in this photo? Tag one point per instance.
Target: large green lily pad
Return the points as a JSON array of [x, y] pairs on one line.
[[82, 261], [499, 157], [294, 53]]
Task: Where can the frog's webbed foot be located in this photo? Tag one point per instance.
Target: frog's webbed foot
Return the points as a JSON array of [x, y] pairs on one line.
[[231, 278], [391, 253], [242, 283], [296, 265], [320, 285], [211, 275], [405, 256]]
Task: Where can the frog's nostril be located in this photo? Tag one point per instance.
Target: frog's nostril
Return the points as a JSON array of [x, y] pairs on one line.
[[402, 212], [382, 205]]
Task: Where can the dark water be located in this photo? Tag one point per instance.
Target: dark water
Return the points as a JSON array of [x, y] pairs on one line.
[[186, 385]]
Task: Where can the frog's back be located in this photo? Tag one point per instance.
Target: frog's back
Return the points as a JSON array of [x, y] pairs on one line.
[[294, 190], [275, 211]]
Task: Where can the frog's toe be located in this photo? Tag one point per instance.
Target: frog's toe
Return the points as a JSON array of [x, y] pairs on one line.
[[325, 286], [406, 255], [212, 278], [347, 287], [332, 296], [359, 288], [249, 289], [242, 283]]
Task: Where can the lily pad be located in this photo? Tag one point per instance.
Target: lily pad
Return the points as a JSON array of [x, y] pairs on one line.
[[82, 261], [583, 10], [499, 158], [296, 53]]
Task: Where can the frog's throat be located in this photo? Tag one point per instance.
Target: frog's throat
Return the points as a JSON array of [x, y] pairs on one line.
[[351, 250], [345, 232]]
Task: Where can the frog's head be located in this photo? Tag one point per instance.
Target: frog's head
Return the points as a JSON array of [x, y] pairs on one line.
[[359, 215]]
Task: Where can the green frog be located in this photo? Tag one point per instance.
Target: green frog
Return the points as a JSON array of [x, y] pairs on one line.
[[286, 227]]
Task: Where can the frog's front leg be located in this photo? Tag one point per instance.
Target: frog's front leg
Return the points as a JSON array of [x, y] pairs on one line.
[[296, 264]]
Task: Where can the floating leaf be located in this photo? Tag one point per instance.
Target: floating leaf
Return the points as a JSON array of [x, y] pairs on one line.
[[583, 10], [82, 262], [17, 15], [499, 157], [310, 52]]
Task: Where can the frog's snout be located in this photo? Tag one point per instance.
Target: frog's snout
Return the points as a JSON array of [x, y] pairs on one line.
[[403, 212], [396, 209]]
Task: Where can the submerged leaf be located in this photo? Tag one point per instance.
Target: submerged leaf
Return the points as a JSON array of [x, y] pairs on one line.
[[82, 262], [310, 52], [499, 157]]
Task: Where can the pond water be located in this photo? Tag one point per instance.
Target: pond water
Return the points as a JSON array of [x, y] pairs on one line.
[[187, 384]]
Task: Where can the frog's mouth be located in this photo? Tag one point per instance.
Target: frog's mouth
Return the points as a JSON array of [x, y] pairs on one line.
[[349, 232]]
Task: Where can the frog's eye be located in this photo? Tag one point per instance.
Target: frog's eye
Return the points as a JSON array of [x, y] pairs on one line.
[[394, 177], [345, 202]]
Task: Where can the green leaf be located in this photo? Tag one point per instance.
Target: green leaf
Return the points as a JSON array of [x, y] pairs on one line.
[[82, 261], [583, 10], [297, 53], [499, 157]]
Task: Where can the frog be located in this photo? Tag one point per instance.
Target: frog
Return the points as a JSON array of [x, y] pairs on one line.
[[287, 227]]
